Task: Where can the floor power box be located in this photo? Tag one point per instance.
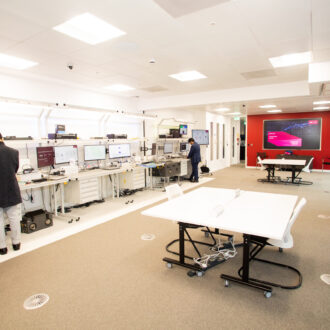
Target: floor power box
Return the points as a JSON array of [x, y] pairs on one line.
[[36, 220]]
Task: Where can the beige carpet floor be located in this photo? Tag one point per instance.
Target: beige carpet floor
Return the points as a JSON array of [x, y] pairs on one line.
[[108, 278]]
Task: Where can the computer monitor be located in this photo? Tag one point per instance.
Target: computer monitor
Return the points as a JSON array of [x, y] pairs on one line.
[[119, 150], [60, 129], [183, 129], [184, 146], [168, 148], [96, 152], [45, 156], [65, 154], [201, 136]]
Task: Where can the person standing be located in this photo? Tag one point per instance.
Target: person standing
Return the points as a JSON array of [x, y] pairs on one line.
[[195, 158], [10, 197]]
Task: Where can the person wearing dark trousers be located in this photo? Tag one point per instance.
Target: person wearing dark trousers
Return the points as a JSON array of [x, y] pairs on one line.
[[10, 197], [195, 158]]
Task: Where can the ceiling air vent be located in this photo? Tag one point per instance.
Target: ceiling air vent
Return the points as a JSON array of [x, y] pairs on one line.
[[258, 74], [155, 89], [177, 8]]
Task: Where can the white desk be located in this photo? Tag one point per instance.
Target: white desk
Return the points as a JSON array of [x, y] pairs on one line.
[[292, 163], [251, 213], [50, 184]]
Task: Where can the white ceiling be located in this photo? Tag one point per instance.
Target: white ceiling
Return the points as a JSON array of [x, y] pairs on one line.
[[244, 34]]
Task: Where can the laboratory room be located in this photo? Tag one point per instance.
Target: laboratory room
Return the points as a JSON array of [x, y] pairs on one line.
[[164, 164]]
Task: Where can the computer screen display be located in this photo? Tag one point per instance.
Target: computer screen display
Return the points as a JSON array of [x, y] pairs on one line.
[[168, 148], [94, 152], [65, 154], [119, 150], [45, 156], [201, 136], [60, 129], [184, 146], [303, 134], [183, 129]]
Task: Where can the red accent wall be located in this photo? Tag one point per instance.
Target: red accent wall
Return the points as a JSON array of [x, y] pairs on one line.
[[254, 141]]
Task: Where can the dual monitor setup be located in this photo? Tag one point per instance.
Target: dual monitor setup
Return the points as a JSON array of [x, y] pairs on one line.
[[48, 156]]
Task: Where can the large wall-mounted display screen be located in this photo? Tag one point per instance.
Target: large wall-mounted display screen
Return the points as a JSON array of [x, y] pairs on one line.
[[301, 134], [201, 136]]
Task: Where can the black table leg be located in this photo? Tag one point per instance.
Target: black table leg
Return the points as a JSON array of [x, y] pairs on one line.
[[245, 280]]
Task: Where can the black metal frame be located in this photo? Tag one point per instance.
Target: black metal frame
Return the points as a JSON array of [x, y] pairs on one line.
[[294, 177], [183, 229], [248, 256]]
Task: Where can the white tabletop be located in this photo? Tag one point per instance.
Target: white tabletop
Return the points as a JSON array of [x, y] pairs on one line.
[[283, 162], [254, 213], [36, 185]]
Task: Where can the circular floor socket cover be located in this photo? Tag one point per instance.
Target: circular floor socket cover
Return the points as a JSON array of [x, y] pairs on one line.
[[36, 301], [325, 278], [148, 237], [323, 216]]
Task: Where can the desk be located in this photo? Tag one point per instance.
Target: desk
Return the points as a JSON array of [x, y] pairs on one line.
[[219, 208], [271, 163], [50, 184]]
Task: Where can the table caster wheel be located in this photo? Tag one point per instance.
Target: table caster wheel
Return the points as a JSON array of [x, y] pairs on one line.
[[169, 265], [267, 294], [199, 273], [206, 234], [226, 283]]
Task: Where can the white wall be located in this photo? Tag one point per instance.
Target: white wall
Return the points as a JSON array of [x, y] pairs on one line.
[[56, 92], [298, 88]]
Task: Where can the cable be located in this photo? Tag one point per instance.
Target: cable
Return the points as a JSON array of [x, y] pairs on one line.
[[221, 253]]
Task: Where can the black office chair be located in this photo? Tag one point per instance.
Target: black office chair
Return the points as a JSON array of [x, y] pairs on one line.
[[325, 161]]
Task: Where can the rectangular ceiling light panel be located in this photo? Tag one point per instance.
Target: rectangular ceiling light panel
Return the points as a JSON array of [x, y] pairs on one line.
[[89, 28], [16, 63], [291, 59], [188, 76]]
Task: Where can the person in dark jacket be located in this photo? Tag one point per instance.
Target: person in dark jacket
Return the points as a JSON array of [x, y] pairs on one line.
[[195, 158], [10, 197]]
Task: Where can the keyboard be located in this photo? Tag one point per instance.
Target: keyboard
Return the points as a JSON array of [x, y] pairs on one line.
[[38, 180]]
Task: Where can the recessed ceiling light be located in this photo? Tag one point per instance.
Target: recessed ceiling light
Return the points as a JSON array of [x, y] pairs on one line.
[[17, 63], [321, 108], [188, 75], [89, 28], [267, 106], [321, 102], [222, 109], [120, 88], [275, 110], [234, 113], [291, 59]]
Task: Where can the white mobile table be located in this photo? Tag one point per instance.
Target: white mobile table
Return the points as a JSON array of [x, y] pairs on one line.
[[292, 163], [250, 213]]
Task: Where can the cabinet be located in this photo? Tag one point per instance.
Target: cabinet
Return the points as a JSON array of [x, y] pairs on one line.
[[82, 191], [132, 180]]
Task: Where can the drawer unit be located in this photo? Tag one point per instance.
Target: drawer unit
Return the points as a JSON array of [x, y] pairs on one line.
[[183, 167], [133, 179], [169, 169], [82, 191]]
